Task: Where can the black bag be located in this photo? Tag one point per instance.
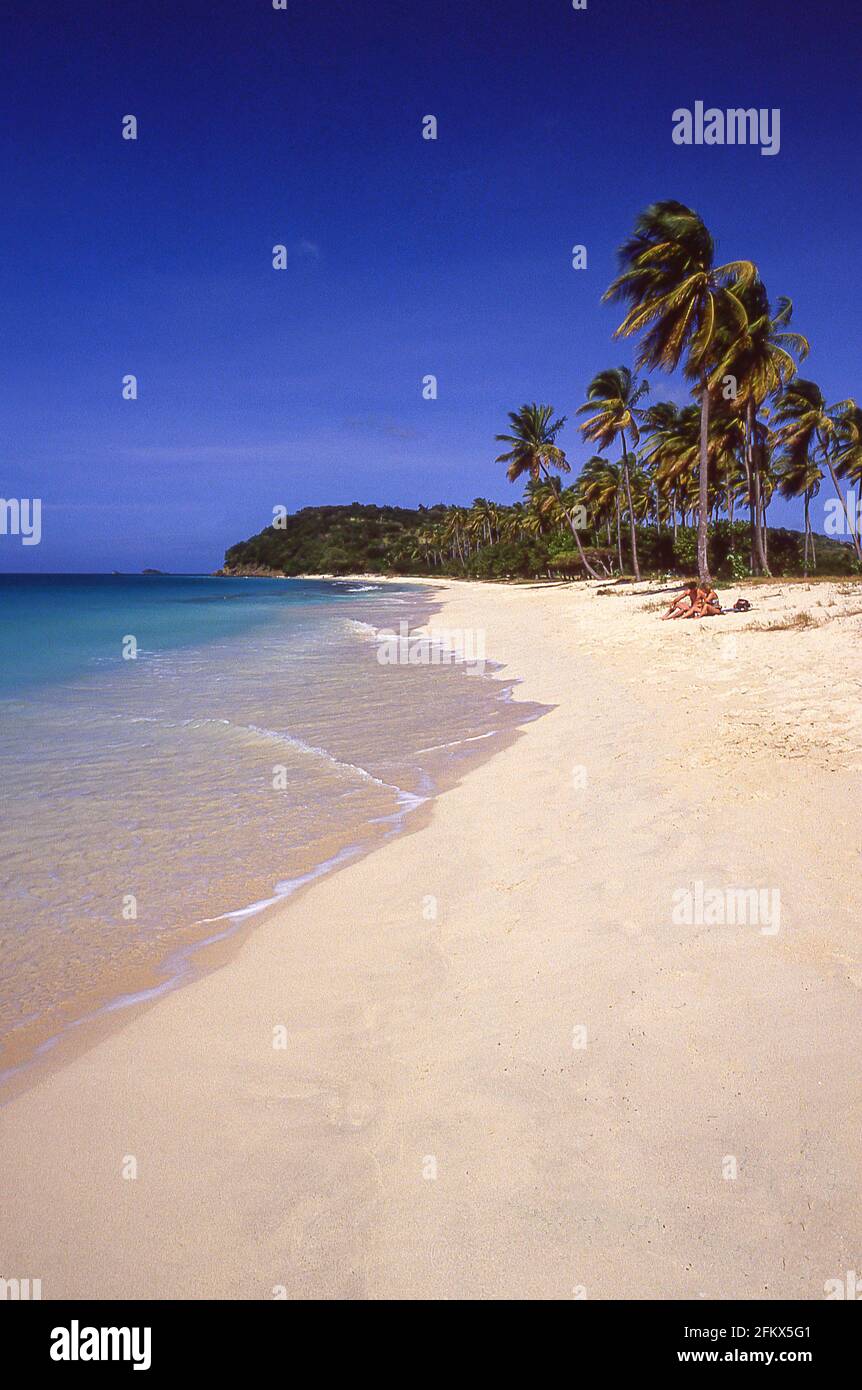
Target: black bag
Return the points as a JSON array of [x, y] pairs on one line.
[[741, 606]]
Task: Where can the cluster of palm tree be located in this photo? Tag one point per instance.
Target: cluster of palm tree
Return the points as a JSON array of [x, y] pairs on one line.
[[753, 426], [465, 531]]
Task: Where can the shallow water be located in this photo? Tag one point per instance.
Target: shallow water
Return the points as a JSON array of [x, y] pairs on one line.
[[255, 742]]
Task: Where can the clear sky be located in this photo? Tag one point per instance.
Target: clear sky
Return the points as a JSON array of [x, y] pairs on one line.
[[406, 257]]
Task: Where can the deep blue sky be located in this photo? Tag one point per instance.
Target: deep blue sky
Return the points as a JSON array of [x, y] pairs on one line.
[[406, 256]]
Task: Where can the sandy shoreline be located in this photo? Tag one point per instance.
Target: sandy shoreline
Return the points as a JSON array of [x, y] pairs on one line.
[[43, 1039], [429, 1129]]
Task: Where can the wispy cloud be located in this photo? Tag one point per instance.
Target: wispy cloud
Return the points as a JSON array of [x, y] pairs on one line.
[[369, 424], [267, 452]]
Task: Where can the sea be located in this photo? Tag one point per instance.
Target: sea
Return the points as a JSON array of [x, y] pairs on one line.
[[180, 754]]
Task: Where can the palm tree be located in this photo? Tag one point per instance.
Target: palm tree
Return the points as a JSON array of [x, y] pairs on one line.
[[805, 423], [760, 360], [848, 462], [639, 488], [483, 515], [800, 476], [661, 454], [613, 395], [726, 448], [657, 423], [562, 507], [680, 300], [768, 481], [455, 532], [534, 450], [598, 487], [511, 527], [672, 450]]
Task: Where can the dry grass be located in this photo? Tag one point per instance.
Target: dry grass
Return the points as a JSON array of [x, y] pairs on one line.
[[795, 580], [795, 623]]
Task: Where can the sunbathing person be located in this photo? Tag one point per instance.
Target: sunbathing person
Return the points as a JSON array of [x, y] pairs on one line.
[[706, 605], [682, 603]]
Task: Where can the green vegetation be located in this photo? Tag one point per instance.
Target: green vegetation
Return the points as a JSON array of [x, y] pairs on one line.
[[670, 501], [487, 541], [338, 540]]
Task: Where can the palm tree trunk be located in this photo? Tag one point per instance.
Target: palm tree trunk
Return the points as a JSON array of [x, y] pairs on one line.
[[584, 561], [749, 487], [635, 565], [765, 531], [619, 536], [807, 533], [758, 549], [843, 502], [703, 490]]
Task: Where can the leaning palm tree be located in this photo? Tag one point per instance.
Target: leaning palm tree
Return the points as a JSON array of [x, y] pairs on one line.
[[534, 449], [564, 508], [679, 301], [572, 510], [612, 397], [848, 460], [598, 488], [850, 434], [804, 424]]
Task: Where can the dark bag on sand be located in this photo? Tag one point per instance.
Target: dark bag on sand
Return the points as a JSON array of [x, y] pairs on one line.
[[741, 606]]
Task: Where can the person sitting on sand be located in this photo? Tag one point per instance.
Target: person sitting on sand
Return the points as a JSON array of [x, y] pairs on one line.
[[706, 605], [683, 602]]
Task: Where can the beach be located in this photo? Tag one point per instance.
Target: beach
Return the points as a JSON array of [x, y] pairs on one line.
[[590, 1030]]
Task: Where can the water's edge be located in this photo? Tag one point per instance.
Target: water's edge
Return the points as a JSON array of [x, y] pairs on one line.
[[204, 949]]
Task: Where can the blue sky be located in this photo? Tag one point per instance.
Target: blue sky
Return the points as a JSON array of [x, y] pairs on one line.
[[406, 257]]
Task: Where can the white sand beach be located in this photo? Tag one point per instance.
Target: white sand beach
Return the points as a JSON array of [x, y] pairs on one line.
[[512, 1068]]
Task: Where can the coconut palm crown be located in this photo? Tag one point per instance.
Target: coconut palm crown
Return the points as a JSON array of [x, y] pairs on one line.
[[612, 396], [534, 450], [679, 303]]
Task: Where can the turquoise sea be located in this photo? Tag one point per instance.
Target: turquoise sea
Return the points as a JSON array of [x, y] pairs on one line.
[[180, 752]]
